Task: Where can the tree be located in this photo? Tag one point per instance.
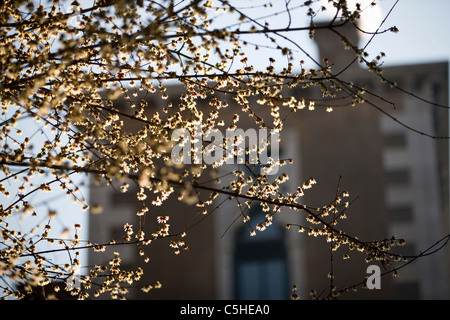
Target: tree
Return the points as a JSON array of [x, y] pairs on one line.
[[65, 68]]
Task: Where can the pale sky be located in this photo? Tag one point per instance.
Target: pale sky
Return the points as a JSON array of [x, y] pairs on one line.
[[423, 25], [423, 35]]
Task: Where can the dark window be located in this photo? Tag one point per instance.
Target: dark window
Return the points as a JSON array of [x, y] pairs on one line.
[[260, 262], [407, 291], [395, 140], [397, 177], [403, 213], [407, 251]]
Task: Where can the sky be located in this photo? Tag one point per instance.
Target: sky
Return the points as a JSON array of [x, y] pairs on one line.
[[423, 31], [423, 28]]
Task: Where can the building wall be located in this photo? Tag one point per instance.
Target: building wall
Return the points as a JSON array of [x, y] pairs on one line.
[[417, 168]]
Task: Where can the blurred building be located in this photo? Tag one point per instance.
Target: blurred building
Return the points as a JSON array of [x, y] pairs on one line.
[[397, 176]]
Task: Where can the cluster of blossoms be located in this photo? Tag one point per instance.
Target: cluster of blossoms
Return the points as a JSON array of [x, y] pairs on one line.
[[95, 80]]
